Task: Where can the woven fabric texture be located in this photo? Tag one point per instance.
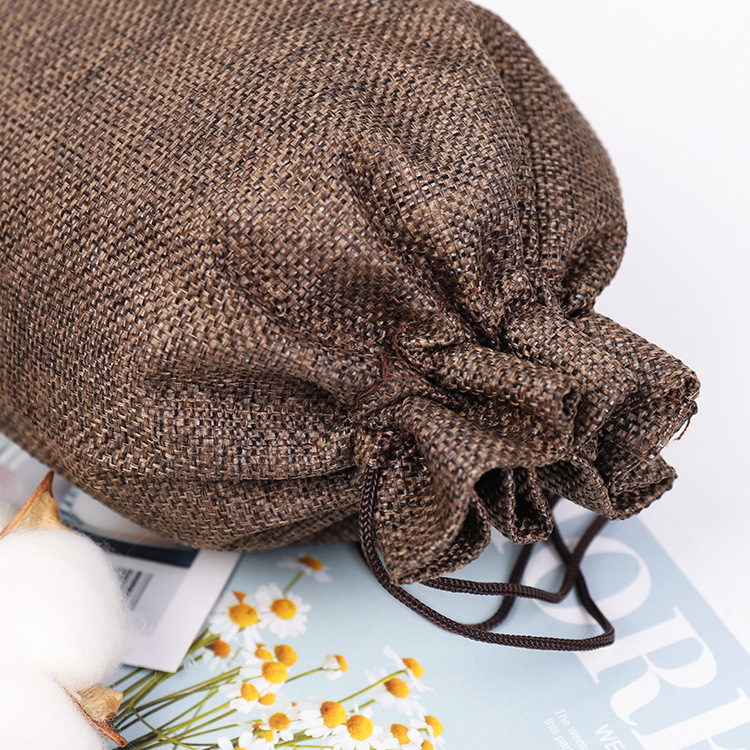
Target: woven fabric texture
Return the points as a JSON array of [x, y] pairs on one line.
[[250, 248]]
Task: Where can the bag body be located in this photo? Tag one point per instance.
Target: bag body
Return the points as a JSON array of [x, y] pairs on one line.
[[249, 249]]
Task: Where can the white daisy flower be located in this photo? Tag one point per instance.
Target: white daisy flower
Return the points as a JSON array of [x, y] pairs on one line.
[[246, 741], [283, 723], [393, 692], [334, 666], [235, 613], [307, 565], [264, 671], [192, 658], [265, 737], [262, 741], [256, 654], [243, 696], [414, 670], [360, 733], [284, 615], [432, 726], [285, 654], [220, 652], [320, 718], [225, 743], [409, 738]]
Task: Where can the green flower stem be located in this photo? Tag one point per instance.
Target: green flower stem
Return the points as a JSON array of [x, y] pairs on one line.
[[202, 640], [126, 677], [196, 710], [157, 705], [173, 735], [142, 742], [299, 737], [293, 582], [199, 706], [146, 676], [225, 728], [199, 728], [189, 722], [220, 679], [160, 735], [156, 679], [374, 684], [304, 674]]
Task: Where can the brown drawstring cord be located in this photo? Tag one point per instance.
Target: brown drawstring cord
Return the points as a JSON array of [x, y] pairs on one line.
[[509, 591]]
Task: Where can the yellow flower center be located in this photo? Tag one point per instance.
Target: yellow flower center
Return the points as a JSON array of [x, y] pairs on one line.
[[333, 714], [427, 745], [360, 727], [267, 699], [434, 724], [264, 734], [263, 653], [243, 615], [414, 667], [400, 732], [221, 648], [249, 692], [279, 722], [286, 655], [311, 562], [274, 672], [343, 666], [397, 687], [284, 608]]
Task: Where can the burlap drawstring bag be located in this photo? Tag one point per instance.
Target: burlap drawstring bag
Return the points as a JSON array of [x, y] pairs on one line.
[[262, 260]]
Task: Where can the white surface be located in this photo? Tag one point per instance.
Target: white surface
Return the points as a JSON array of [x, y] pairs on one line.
[[666, 85]]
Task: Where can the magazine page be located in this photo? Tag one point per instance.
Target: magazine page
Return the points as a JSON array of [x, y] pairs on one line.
[[304, 649]]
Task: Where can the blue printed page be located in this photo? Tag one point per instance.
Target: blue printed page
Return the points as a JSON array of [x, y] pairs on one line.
[[306, 650]]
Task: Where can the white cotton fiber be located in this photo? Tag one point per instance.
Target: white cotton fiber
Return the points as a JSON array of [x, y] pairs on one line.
[[61, 606], [37, 714]]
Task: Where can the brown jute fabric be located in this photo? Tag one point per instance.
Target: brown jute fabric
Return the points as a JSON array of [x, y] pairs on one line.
[[250, 249]]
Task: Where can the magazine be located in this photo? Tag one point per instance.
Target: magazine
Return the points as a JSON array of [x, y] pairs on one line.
[[305, 650]]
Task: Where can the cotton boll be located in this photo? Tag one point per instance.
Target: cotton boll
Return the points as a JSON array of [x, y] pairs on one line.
[[61, 604], [37, 714]]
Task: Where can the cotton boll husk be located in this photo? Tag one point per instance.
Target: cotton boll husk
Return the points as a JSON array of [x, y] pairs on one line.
[[37, 714], [62, 608]]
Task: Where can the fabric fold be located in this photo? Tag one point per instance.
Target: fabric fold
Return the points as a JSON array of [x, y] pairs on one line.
[[552, 396], [545, 337], [664, 398], [516, 504], [633, 482], [468, 463], [421, 529]]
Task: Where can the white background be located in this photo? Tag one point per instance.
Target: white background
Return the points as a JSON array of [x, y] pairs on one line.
[[666, 85]]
